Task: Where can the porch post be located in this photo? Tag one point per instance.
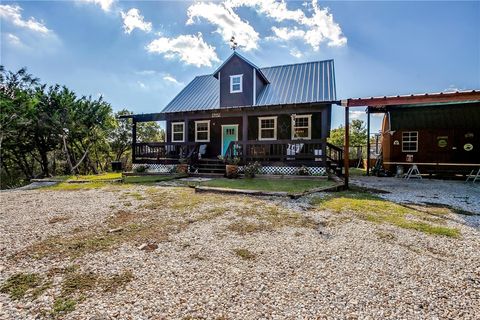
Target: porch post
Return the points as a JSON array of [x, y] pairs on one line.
[[244, 136], [368, 141], [134, 139], [345, 148], [185, 127]]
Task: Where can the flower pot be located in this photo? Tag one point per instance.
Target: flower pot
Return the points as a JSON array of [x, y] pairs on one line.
[[182, 168], [231, 171]]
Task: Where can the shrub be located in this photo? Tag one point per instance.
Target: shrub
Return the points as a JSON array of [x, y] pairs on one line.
[[252, 169], [141, 168], [303, 171]]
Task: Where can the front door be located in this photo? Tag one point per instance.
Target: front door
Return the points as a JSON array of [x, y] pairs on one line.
[[229, 134]]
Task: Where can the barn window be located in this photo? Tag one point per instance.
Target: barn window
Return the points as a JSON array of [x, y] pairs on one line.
[[202, 131], [236, 83], [267, 128], [410, 141], [178, 132], [302, 126]]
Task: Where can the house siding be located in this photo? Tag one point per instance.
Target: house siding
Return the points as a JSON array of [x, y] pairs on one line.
[[233, 67]]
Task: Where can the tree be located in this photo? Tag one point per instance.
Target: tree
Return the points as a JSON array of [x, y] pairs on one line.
[[121, 136], [358, 134], [150, 132]]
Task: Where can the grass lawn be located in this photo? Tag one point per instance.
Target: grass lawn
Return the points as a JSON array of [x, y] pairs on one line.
[[282, 185], [149, 179], [372, 208], [102, 180], [95, 177]]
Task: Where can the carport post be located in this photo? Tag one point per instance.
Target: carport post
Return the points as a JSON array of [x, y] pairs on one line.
[[345, 148], [368, 141]]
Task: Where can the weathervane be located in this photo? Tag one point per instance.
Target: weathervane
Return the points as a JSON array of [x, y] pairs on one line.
[[233, 43]]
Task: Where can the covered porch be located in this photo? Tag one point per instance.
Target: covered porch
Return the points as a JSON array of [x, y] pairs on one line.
[[278, 137]]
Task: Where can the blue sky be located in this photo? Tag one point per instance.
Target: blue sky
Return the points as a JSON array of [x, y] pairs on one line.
[[139, 54]]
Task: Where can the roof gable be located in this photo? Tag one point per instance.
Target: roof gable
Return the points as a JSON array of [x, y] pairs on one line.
[[238, 55], [309, 82]]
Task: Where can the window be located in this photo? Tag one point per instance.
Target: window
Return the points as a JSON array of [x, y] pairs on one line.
[[236, 83], [178, 132], [410, 141], [267, 128], [202, 131], [302, 126]]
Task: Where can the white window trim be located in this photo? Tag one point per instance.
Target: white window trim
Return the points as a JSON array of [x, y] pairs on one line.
[[260, 128], [309, 116], [416, 149], [208, 130], [173, 133], [241, 83]]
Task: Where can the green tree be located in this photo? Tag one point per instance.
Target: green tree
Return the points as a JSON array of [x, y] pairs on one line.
[[121, 136], [358, 134]]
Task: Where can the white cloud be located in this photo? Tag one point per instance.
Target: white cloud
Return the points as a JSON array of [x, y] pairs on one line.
[[191, 49], [228, 23], [134, 20], [316, 28], [171, 79], [142, 85], [296, 53], [13, 14], [274, 9], [357, 114], [146, 72], [287, 34], [106, 5], [13, 39]]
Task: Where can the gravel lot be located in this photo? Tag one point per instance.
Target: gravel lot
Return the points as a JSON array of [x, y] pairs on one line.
[[455, 193], [311, 265]]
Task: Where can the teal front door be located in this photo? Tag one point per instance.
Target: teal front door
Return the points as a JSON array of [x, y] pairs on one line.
[[229, 134]]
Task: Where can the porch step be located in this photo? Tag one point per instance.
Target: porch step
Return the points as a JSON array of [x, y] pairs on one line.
[[212, 166]]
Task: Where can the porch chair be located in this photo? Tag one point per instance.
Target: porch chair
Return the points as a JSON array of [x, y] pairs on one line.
[[202, 150], [474, 176], [293, 149], [412, 172]]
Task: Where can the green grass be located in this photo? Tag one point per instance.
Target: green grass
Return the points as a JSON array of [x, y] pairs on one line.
[[65, 186], [63, 305], [280, 185], [245, 254], [149, 179], [94, 177], [19, 284], [372, 208], [355, 172]]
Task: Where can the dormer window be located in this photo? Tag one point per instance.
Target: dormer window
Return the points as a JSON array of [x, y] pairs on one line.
[[236, 83]]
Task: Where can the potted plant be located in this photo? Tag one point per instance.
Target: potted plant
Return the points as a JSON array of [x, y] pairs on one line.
[[231, 166], [252, 169], [182, 167]]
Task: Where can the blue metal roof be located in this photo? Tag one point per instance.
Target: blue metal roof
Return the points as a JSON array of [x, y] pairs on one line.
[[289, 84]]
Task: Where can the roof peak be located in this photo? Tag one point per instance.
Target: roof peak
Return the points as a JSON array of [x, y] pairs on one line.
[[235, 53]]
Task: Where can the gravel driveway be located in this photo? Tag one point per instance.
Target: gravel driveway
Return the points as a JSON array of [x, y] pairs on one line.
[[458, 194], [225, 257]]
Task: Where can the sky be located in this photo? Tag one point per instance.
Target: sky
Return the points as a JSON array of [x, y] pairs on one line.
[[139, 54]]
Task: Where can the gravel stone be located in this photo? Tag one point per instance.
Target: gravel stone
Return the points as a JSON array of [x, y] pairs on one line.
[[341, 270]]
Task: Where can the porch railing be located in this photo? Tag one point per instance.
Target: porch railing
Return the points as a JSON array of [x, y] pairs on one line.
[[297, 152], [146, 152]]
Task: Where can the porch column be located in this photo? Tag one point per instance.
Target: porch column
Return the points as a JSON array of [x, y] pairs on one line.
[[244, 136], [185, 127], [134, 139], [345, 148], [368, 141]]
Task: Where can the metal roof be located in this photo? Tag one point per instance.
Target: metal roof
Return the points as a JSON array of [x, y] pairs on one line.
[[421, 98], [307, 82]]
